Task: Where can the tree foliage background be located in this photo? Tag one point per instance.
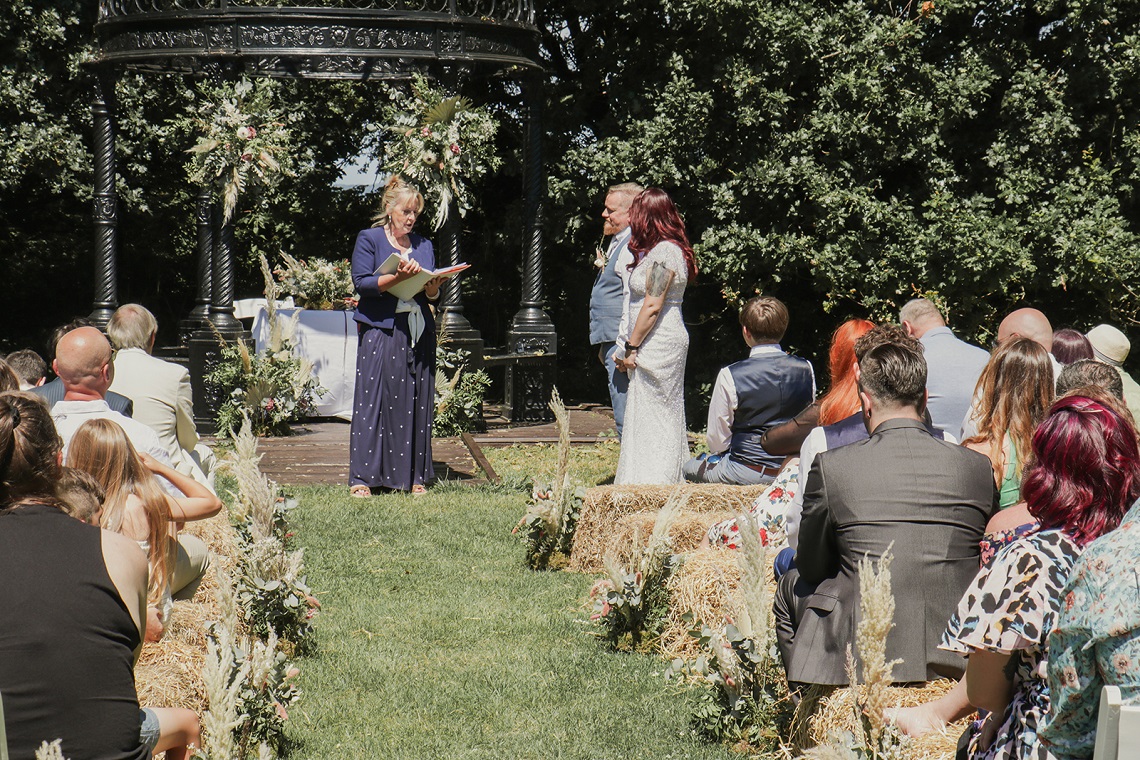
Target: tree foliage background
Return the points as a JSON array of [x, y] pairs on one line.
[[844, 156]]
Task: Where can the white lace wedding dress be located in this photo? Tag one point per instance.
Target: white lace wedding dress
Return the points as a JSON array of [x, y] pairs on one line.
[[653, 441]]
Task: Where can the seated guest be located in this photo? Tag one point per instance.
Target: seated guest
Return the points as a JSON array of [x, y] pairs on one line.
[[30, 368], [81, 495], [66, 662], [902, 486], [953, 366], [1089, 372], [83, 363], [53, 391], [845, 431], [840, 401], [750, 396], [1022, 323], [768, 509], [1096, 640], [1084, 473], [1070, 346], [1013, 393], [1111, 346], [135, 506], [9, 381], [159, 389]]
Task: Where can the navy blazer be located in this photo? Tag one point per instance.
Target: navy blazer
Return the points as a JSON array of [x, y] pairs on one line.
[[378, 309], [53, 393]]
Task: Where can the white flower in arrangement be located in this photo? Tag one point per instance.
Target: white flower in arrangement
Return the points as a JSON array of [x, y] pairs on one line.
[[442, 144], [246, 133]]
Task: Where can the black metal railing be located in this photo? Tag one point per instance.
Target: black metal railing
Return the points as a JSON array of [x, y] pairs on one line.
[[518, 11]]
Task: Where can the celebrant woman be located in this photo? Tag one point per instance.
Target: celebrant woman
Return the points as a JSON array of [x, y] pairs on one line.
[[395, 355]]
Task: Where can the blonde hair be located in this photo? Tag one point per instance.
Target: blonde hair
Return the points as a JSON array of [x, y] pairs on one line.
[[395, 191], [1013, 396], [102, 449], [131, 326]]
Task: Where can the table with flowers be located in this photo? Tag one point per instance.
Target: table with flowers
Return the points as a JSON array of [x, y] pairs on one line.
[[327, 338]]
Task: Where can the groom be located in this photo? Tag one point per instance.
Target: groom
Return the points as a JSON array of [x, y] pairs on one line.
[[608, 295]]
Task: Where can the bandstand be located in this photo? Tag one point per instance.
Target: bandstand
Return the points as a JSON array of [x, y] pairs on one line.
[[359, 40]]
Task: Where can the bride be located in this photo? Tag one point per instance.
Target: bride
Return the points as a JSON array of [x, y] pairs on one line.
[[654, 444]]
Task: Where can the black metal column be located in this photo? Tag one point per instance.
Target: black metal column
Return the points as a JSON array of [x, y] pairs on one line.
[[106, 205], [453, 325], [206, 345], [199, 316], [529, 382]]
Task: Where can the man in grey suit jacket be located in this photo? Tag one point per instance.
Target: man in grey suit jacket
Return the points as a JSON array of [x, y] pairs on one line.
[[901, 486]]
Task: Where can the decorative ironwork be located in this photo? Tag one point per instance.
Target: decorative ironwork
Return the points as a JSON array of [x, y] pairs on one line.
[[222, 288], [322, 39], [353, 39], [518, 11], [105, 209]]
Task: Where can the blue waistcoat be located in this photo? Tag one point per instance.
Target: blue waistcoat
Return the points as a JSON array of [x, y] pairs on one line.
[[770, 390], [607, 297]]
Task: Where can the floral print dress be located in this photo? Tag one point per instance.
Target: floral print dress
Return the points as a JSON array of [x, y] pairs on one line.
[[1010, 608], [1097, 639], [768, 508]]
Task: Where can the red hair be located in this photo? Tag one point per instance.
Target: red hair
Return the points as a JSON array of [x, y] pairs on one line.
[[653, 219], [1085, 472], [842, 398]]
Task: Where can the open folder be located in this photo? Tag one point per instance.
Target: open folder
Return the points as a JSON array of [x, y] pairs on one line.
[[407, 289]]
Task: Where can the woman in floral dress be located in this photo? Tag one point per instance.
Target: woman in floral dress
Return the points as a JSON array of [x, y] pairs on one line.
[[1084, 474]]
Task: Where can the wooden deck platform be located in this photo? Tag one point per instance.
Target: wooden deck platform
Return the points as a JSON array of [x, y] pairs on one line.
[[317, 452]]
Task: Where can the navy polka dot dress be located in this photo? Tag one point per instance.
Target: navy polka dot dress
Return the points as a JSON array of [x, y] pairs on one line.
[[395, 390]]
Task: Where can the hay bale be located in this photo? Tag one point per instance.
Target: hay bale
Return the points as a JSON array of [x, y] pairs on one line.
[[834, 714], [706, 586], [169, 672], [606, 507]]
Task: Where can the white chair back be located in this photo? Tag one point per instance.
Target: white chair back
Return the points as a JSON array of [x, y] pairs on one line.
[[1117, 728]]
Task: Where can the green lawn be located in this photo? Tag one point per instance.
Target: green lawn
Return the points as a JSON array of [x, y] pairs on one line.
[[435, 641]]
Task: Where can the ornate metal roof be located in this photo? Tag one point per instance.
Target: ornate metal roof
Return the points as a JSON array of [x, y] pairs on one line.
[[331, 39]]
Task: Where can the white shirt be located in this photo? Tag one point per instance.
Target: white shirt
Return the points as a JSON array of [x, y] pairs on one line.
[[722, 405], [69, 415], [619, 246]]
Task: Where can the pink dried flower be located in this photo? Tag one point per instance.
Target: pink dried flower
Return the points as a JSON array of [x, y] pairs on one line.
[[454, 149]]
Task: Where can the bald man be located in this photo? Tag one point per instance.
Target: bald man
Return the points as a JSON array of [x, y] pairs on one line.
[[1022, 323], [83, 363]]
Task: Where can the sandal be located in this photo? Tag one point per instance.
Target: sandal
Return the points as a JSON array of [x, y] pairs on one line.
[[419, 490], [360, 491]]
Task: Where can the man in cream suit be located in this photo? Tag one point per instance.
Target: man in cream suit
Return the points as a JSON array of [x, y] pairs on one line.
[[160, 391]]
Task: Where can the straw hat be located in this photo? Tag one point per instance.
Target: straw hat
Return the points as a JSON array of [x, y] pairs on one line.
[[1109, 344]]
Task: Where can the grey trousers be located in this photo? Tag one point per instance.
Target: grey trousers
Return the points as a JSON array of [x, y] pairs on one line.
[[724, 471]]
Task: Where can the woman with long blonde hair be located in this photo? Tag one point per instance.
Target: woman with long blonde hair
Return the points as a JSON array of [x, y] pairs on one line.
[[138, 508], [1012, 396]]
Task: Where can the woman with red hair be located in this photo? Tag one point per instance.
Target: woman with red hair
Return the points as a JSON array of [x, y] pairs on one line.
[[840, 402], [653, 343], [1083, 476]]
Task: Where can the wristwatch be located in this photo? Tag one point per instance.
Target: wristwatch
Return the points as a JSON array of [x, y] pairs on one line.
[[630, 348]]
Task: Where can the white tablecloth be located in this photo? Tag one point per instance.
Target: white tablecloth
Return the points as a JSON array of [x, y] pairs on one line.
[[328, 339]]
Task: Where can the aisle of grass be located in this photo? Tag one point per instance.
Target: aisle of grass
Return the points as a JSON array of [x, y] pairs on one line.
[[436, 642]]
